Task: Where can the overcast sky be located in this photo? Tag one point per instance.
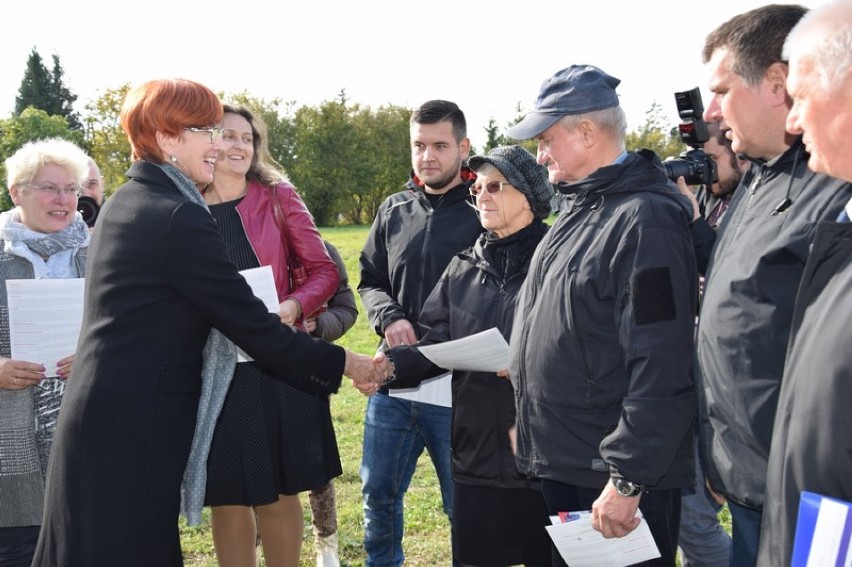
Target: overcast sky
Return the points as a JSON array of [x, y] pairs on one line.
[[485, 55]]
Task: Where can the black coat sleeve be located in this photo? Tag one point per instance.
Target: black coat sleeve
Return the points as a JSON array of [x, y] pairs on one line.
[[201, 271]]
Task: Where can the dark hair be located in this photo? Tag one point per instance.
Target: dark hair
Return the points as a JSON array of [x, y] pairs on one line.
[[755, 39], [434, 111], [263, 169], [168, 106]]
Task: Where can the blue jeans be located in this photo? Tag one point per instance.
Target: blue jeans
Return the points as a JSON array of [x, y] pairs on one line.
[[702, 540], [395, 433], [745, 532]]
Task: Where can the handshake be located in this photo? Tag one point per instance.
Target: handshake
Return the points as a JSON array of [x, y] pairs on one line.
[[367, 374]]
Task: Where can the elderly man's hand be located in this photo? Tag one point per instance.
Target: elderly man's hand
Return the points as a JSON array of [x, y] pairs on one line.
[[367, 374], [614, 515]]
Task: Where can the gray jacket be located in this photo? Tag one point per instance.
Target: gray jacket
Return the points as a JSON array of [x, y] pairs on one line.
[[27, 418], [746, 312]]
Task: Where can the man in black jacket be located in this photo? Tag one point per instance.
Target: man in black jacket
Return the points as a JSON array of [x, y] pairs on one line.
[[757, 262], [413, 238], [601, 350]]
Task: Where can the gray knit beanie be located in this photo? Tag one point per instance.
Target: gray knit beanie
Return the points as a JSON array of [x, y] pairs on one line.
[[520, 169]]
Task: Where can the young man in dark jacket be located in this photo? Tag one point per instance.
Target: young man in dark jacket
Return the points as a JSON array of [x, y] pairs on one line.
[[414, 236], [757, 262], [601, 350]]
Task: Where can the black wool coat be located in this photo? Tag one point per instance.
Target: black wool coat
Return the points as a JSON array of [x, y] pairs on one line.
[[158, 279]]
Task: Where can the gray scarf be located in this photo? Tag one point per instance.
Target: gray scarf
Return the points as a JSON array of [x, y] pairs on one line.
[[51, 254], [220, 359]]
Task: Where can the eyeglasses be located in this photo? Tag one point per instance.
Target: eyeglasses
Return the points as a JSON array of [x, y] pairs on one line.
[[215, 132], [492, 187], [52, 191]]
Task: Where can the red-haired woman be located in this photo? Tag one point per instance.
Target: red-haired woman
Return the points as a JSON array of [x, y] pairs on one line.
[[158, 280]]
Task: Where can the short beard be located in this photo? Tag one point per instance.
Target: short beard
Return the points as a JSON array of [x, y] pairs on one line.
[[726, 186], [444, 182]]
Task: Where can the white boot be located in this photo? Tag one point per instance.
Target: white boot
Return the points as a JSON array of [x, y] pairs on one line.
[[327, 551]]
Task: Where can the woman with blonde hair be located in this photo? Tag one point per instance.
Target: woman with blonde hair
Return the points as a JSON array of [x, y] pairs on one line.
[[42, 237]]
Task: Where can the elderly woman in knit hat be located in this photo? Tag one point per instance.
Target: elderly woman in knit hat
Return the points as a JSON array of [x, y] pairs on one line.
[[498, 514]]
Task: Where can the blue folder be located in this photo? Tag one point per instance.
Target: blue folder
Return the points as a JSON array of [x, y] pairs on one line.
[[809, 506]]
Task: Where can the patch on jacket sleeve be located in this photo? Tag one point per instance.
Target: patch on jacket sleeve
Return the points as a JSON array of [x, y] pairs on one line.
[[652, 296]]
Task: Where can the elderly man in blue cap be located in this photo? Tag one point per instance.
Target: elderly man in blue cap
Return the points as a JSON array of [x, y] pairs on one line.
[[602, 342]]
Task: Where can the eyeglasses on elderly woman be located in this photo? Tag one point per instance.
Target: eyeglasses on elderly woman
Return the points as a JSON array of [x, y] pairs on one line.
[[492, 187], [52, 191]]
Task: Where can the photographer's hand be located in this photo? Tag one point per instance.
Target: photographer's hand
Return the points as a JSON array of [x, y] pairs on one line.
[[686, 190]]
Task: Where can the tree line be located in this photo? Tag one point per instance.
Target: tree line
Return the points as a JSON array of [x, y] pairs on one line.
[[343, 157]]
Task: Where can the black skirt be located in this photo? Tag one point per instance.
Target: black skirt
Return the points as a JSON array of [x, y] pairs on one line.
[[271, 439]]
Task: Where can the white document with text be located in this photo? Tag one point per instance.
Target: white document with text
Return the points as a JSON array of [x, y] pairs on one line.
[[44, 319], [580, 545], [486, 351]]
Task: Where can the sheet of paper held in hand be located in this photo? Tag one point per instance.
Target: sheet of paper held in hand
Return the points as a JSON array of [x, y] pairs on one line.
[[44, 319], [262, 283], [580, 545], [486, 351]]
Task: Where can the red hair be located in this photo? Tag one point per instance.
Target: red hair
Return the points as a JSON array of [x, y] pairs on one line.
[[167, 106]]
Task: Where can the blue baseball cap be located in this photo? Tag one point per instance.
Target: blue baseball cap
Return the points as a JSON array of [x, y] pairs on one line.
[[577, 89]]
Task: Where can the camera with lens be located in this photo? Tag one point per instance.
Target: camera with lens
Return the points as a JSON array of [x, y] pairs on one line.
[[89, 209], [694, 165]]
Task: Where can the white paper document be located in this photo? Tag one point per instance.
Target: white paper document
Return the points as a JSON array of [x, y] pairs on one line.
[[262, 284], [436, 391], [486, 351], [580, 545], [44, 319]]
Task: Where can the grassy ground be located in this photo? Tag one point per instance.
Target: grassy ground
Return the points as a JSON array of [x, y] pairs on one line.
[[427, 539]]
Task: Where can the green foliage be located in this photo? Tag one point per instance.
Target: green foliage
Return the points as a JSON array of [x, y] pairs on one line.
[[347, 159], [495, 138], [46, 90], [655, 135], [109, 145], [327, 147], [385, 161], [31, 124]]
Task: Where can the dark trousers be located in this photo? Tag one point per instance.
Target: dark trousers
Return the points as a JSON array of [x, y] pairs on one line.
[[745, 532], [17, 546], [661, 509]]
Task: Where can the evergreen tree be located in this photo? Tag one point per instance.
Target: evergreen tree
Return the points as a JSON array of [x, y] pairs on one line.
[[495, 138], [62, 97], [35, 88], [46, 91]]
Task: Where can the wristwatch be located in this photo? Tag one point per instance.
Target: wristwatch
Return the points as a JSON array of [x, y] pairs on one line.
[[627, 488]]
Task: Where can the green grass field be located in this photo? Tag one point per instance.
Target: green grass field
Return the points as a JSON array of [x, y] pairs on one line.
[[427, 537]]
